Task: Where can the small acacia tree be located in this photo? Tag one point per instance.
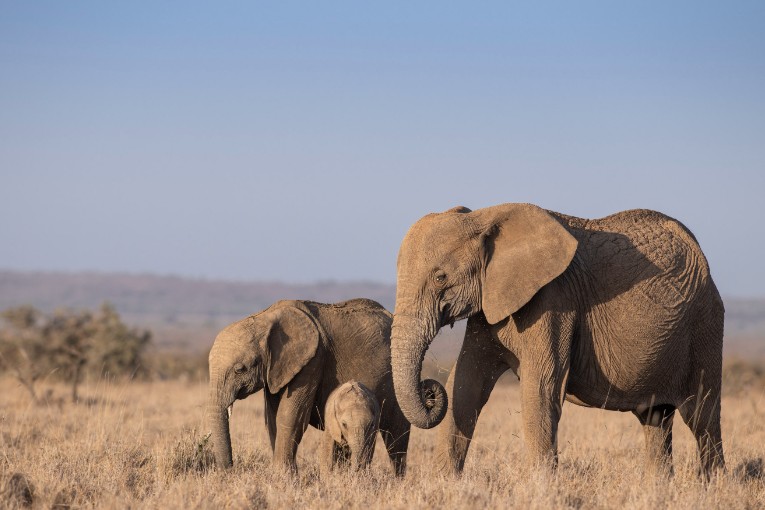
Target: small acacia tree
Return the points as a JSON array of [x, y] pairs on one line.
[[68, 344], [21, 345]]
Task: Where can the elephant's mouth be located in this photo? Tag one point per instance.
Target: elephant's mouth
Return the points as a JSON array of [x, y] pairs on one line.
[[446, 319], [242, 394], [450, 314], [247, 390]]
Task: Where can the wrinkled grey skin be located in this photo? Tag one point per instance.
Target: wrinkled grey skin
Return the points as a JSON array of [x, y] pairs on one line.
[[297, 352], [352, 416], [619, 313]]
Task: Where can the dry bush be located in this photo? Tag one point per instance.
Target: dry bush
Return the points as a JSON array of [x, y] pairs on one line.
[[191, 454], [68, 345], [142, 445]]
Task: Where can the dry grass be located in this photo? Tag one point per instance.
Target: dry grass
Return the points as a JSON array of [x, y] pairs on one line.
[[143, 445]]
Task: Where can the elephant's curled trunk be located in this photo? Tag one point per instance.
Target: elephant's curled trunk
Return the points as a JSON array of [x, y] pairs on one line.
[[423, 403]]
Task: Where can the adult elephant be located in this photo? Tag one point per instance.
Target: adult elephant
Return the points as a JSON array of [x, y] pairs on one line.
[[297, 352], [618, 313]]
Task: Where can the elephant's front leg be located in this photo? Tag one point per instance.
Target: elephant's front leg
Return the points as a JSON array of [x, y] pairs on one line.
[[292, 417], [544, 367], [471, 380], [542, 395]]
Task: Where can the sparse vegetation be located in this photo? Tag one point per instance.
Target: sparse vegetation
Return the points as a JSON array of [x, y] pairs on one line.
[[66, 344], [143, 444]]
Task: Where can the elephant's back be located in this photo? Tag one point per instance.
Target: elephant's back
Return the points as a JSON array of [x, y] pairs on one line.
[[364, 305], [643, 226], [360, 320], [643, 250]]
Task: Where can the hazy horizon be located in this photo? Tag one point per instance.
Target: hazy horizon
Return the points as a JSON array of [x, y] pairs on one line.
[[297, 143]]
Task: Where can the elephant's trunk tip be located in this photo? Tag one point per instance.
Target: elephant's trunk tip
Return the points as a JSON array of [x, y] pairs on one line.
[[221, 436], [435, 399]]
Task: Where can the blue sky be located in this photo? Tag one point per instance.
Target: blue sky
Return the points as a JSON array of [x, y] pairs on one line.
[[298, 141]]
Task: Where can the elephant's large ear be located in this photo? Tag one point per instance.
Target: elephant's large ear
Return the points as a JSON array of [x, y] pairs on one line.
[[331, 421], [292, 342], [372, 402], [524, 248]]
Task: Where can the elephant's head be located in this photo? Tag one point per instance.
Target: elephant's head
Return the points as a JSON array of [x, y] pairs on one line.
[[264, 350], [460, 262], [352, 418]]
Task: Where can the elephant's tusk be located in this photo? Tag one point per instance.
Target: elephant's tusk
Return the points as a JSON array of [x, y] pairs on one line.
[[230, 410]]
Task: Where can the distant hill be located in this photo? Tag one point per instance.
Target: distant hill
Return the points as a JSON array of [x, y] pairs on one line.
[[182, 312], [143, 294], [186, 313], [745, 327]]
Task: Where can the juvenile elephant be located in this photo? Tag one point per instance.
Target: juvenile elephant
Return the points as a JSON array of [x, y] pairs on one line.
[[619, 313], [350, 428], [298, 352]]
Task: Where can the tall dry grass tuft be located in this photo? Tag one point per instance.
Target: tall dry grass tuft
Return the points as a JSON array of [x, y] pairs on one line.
[[145, 445]]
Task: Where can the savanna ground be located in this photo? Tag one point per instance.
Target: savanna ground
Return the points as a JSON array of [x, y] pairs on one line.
[[142, 444]]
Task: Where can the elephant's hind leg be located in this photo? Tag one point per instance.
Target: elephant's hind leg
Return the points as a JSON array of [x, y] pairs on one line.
[[701, 410], [657, 427], [702, 415]]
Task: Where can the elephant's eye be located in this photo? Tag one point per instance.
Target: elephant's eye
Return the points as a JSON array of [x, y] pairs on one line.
[[440, 277], [344, 424], [239, 368]]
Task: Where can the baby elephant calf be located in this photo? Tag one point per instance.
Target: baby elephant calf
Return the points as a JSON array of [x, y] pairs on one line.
[[351, 419]]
